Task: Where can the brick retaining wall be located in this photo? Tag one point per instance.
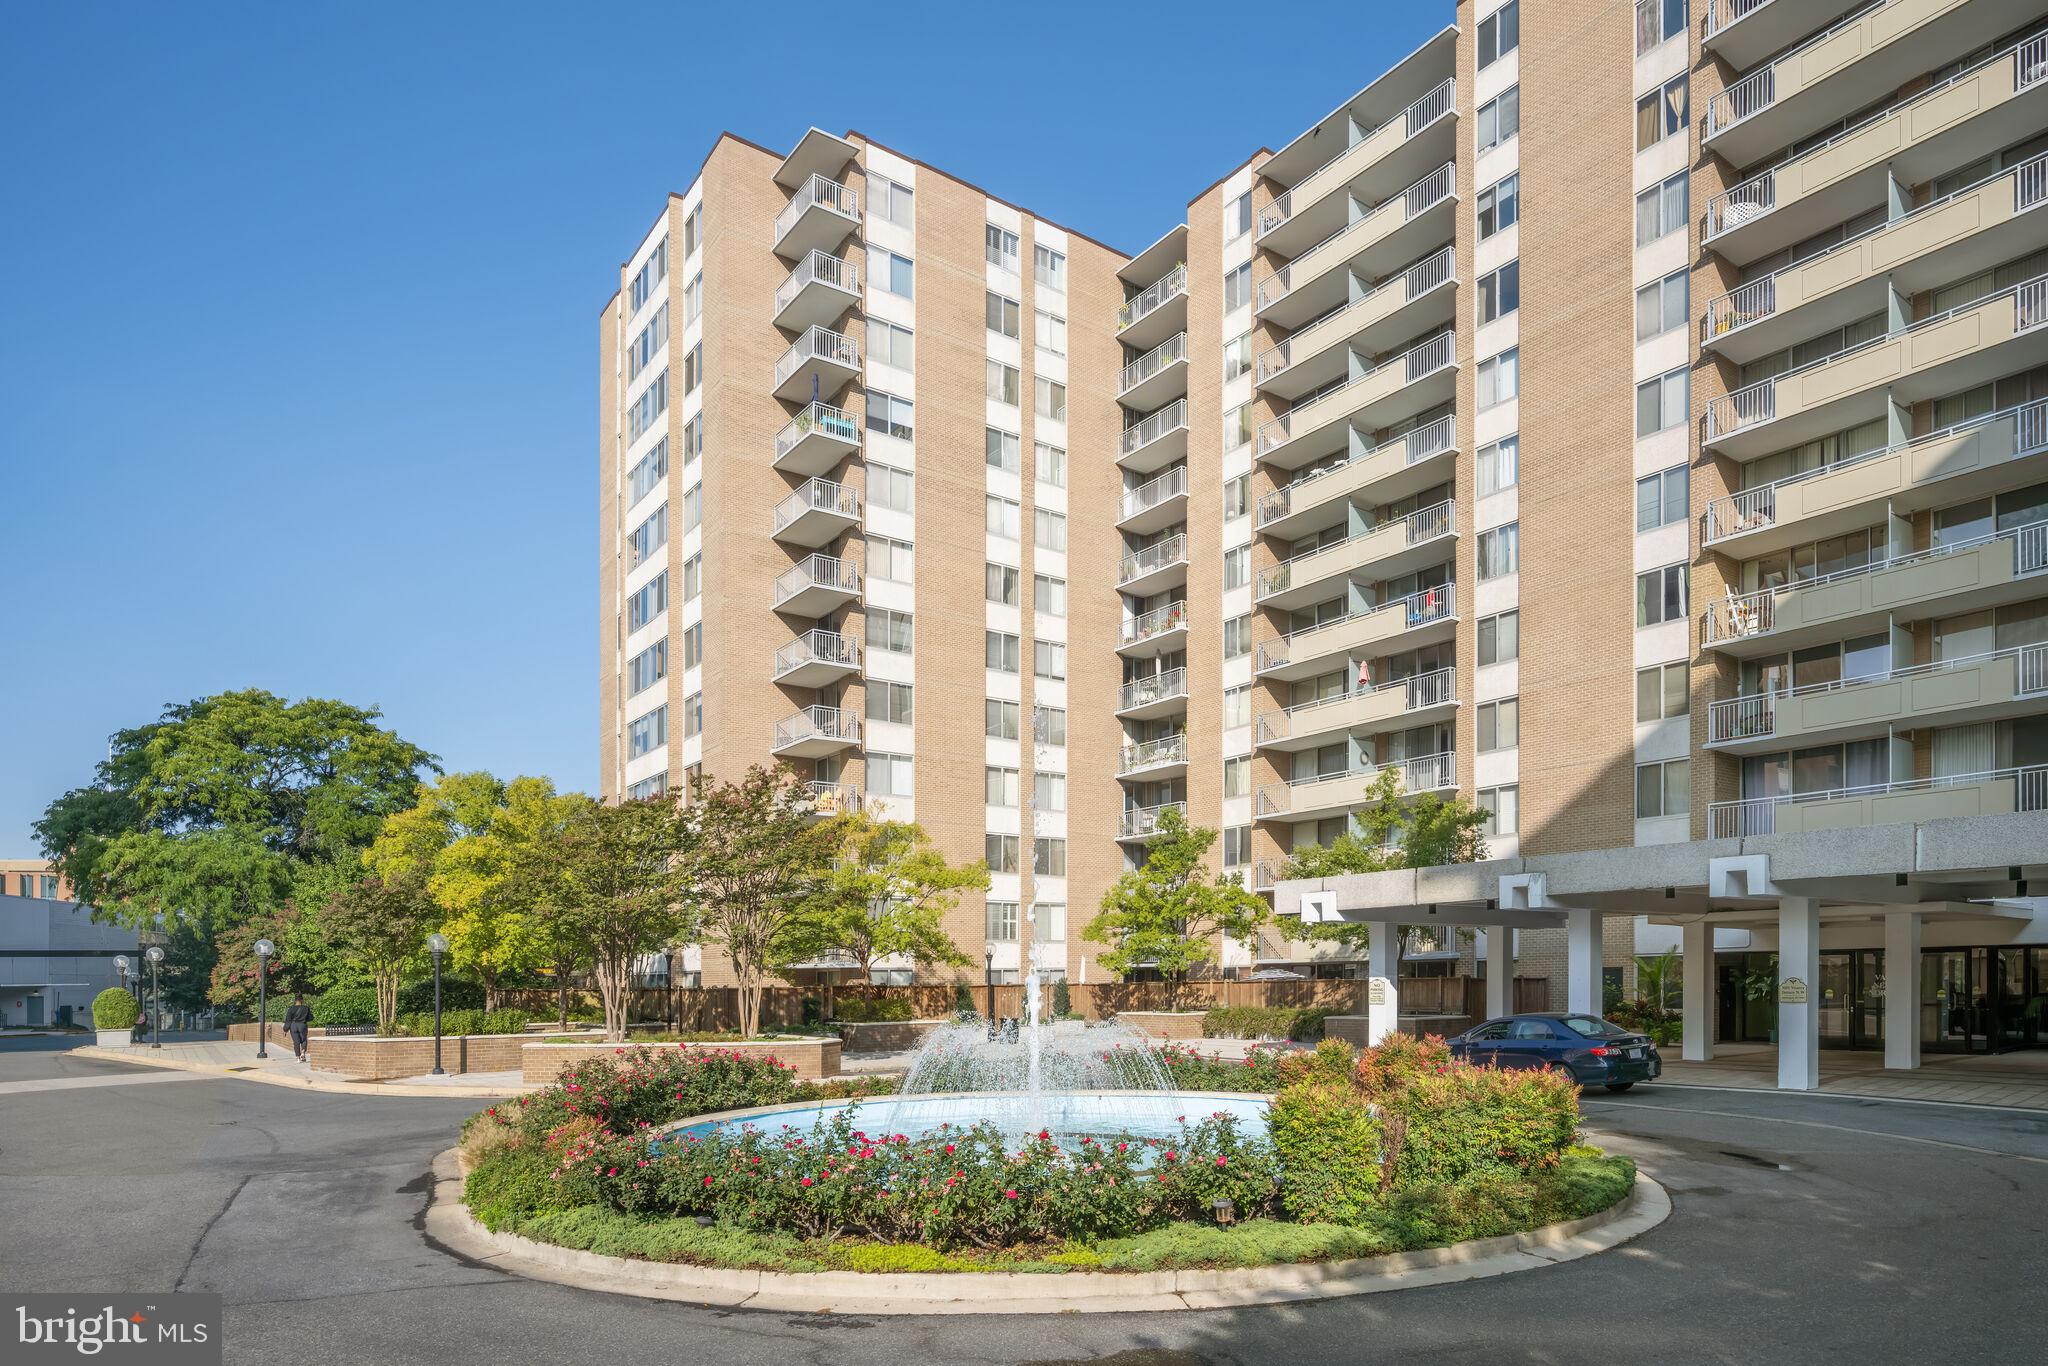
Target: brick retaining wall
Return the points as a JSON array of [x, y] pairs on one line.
[[886, 1036], [813, 1058], [370, 1057], [1161, 1024]]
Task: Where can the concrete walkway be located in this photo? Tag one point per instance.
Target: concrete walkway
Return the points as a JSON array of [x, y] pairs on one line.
[[220, 1057], [2014, 1080]]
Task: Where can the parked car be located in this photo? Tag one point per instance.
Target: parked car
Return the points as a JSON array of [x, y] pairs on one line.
[[1593, 1051]]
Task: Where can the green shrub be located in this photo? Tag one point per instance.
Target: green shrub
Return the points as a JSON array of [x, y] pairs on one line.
[[872, 1009], [963, 997], [1062, 999], [1257, 1242], [346, 1007], [1300, 1023], [511, 1180], [115, 1008], [1444, 1126], [457, 993], [1257, 1071], [1328, 1143], [455, 1022], [1398, 1059]]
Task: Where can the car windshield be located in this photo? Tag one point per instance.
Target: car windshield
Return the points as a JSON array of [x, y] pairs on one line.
[[1593, 1027]]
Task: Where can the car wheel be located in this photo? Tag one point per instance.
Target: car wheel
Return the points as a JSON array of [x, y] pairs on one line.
[[1619, 1086]]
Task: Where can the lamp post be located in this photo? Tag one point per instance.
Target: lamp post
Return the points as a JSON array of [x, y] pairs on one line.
[[121, 966], [989, 980], [264, 948], [156, 1013], [437, 944]]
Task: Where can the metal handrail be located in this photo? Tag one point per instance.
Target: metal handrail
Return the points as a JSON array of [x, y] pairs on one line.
[[1143, 433], [830, 799], [1759, 815], [830, 723], [1430, 272], [1140, 821], [1159, 687], [817, 647], [1753, 716], [1154, 296], [1721, 13], [1422, 607], [1758, 90], [819, 342], [1419, 362], [1424, 524], [1421, 774], [1167, 749], [1149, 495], [1173, 550], [1431, 689], [1423, 195], [816, 417], [1417, 116], [820, 571], [817, 495], [1432, 438], [1158, 621], [820, 267], [1174, 348], [817, 191]]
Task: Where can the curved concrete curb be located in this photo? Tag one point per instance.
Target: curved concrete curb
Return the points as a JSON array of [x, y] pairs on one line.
[[996, 1292], [332, 1087]]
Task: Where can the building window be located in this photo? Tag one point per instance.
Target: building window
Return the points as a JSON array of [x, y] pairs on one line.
[[1049, 595], [693, 577], [1002, 248], [1002, 915], [652, 403], [1052, 465], [999, 719], [891, 488], [647, 668], [1001, 586], [1500, 33], [647, 787], [1049, 659], [646, 732], [1049, 529], [1237, 288], [1660, 595], [1500, 552], [1660, 210], [1003, 451], [650, 536], [889, 344], [1049, 793], [1663, 789], [1237, 497], [1052, 398], [1499, 205], [1237, 427], [1001, 853], [1049, 332], [1000, 787], [1661, 307], [693, 715], [1663, 403], [1003, 316], [1003, 514], [648, 473], [891, 630], [1237, 567], [693, 645], [1499, 465], [1049, 267], [888, 200], [1237, 707], [891, 775], [693, 368], [1049, 858], [889, 415], [888, 702], [1500, 377], [650, 600], [1661, 499], [890, 559], [1049, 726], [693, 299], [889, 272], [1500, 292], [1503, 808], [1005, 382], [1237, 637], [652, 338], [652, 271], [693, 232], [1000, 653], [1237, 777], [1657, 20], [1500, 724], [1660, 114], [693, 438], [1500, 638], [1660, 692], [693, 507], [1237, 356], [1237, 217], [1500, 118]]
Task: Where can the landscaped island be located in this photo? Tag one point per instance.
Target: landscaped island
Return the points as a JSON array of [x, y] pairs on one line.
[[1391, 1149]]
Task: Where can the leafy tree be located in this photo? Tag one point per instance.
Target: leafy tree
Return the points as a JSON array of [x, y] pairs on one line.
[[887, 894], [382, 925], [619, 889], [756, 860], [1164, 915]]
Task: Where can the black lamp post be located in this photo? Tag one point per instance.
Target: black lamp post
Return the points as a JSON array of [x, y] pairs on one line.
[[437, 944], [989, 979], [264, 948], [156, 1014]]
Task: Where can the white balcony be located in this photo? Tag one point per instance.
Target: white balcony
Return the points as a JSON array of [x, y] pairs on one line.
[[1948, 692], [816, 658], [820, 215], [1389, 550], [1156, 504], [1744, 32], [1156, 376], [1404, 227], [832, 799], [1424, 618], [1401, 387], [1334, 794], [1142, 822], [1995, 792], [816, 439], [1156, 441], [1422, 297], [1155, 312], [1161, 694], [1389, 706], [816, 514], [818, 365], [816, 732], [817, 585], [1158, 566], [1154, 760], [819, 290], [1399, 467], [1159, 631], [1380, 161]]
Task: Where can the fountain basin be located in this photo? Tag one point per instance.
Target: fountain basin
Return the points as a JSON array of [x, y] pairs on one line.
[[1069, 1115]]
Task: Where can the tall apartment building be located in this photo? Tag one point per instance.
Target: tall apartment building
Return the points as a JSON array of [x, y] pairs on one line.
[[1627, 417]]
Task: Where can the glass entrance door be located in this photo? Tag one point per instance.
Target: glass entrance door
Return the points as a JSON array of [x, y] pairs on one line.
[[1953, 1000], [1852, 998]]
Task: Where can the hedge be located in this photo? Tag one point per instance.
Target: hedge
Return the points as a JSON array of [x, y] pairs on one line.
[[872, 1010], [115, 1008], [1265, 1022], [420, 1024], [345, 1007]]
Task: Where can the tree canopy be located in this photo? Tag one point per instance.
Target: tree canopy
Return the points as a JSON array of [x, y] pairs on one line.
[[1166, 914], [887, 895]]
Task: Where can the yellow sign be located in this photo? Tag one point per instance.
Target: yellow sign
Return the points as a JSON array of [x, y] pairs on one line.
[[1792, 992]]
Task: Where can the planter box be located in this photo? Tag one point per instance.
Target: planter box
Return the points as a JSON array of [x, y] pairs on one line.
[[115, 1038], [886, 1036], [1176, 1025], [374, 1057], [246, 1033], [813, 1058]]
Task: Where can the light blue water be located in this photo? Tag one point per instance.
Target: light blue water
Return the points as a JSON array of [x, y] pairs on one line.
[[1070, 1115]]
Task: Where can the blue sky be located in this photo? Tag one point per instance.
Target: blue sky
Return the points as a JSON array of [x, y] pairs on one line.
[[298, 310]]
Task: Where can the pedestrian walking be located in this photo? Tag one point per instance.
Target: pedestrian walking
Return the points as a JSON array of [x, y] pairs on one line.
[[296, 1017]]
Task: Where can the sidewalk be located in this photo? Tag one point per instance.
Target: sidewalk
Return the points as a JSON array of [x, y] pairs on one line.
[[2013, 1080], [239, 1060]]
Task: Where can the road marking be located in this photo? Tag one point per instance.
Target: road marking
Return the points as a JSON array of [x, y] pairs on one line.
[[13, 1088], [1816, 1124], [2035, 1111]]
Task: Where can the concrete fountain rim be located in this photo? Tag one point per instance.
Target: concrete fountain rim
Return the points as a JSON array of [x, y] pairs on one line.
[[891, 1097]]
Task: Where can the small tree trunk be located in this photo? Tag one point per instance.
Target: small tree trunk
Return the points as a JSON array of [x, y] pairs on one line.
[[387, 999], [613, 971]]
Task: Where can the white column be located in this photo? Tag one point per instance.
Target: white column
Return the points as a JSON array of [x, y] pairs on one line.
[[1582, 961], [1697, 948], [1383, 989], [1902, 989], [1500, 971], [1798, 977]]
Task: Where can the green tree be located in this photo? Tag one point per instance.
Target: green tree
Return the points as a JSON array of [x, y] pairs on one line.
[[1389, 831], [620, 890], [757, 859], [381, 925], [1165, 914], [887, 894], [501, 881]]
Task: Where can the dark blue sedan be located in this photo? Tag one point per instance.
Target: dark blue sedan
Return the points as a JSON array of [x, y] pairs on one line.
[[1592, 1051]]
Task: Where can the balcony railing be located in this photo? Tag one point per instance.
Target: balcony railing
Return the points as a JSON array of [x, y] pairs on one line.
[[1142, 434], [1757, 508], [1738, 617], [820, 267], [1759, 402], [817, 495], [821, 723], [818, 190], [1415, 118], [1156, 295], [817, 647], [1424, 774], [1149, 495], [1418, 444], [1423, 195], [818, 343], [1174, 348], [1418, 362], [1755, 717], [823, 418], [817, 571], [1759, 194], [1173, 550], [1433, 689], [1721, 13], [1159, 687], [1157, 622], [1756, 92], [1167, 749], [1142, 822], [1412, 283], [1419, 609], [831, 799], [1425, 524], [1759, 815], [1758, 299]]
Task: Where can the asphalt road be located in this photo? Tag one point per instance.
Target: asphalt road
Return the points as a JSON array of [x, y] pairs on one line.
[[1805, 1230]]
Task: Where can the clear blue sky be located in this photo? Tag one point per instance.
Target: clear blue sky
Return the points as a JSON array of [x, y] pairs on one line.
[[298, 310]]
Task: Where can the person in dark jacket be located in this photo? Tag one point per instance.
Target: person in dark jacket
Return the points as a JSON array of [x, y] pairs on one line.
[[297, 1016]]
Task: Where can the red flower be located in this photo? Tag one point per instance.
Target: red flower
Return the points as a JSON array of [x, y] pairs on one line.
[[949, 1147], [707, 1180], [1172, 1156], [1044, 1133], [1221, 1162], [1009, 1195], [807, 1181]]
